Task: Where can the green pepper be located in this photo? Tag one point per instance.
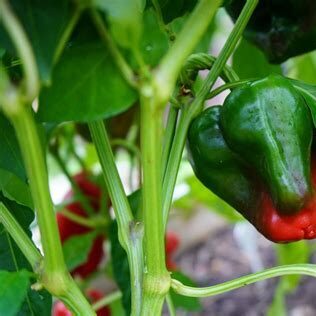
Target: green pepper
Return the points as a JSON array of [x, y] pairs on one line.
[[217, 166], [281, 29], [269, 124], [254, 153]]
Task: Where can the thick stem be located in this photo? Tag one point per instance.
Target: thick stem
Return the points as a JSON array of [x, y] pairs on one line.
[[130, 233], [305, 269], [25, 244], [156, 277], [54, 275], [33, 156], [24, 49], [171, 64]]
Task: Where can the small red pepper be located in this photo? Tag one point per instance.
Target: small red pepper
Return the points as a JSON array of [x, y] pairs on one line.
[[172, 244], [68, 228]]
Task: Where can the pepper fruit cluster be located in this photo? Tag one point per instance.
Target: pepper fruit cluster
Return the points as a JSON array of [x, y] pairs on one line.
[[254, 152], [68, 228], [281, 29]]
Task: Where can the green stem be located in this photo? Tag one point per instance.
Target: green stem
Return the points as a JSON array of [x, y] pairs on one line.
[[73, 297], [156, 277], [305, 269], [94, 222], [112, 179], [53, 275], [202, 61], [126, 71], [23, 241], [190, 35], [170, 304], [24, 49], [174, 161], [130, 233], [168, 135], [228, 49], [36, 170], [106, 300], [196, 107], [226, 86]]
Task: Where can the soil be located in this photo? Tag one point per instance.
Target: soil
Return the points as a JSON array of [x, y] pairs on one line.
[[219, 259]]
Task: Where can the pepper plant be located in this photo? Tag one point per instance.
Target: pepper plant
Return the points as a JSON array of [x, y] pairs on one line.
[[89, 61]]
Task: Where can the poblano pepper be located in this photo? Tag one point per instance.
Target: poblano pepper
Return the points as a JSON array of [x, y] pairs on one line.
[[254, 153], [268, 123], [281, 29]]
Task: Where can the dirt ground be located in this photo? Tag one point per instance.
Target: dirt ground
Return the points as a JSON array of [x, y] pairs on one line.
[[219, 259]]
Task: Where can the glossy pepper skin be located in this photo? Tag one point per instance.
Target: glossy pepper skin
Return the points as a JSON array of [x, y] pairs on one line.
[[281, 29], [233, 177], [217, 166], [68, 228], [268, 124]]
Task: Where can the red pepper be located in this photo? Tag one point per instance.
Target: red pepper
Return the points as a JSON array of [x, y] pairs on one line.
[[68, 228], [172, 244], [287, 228]]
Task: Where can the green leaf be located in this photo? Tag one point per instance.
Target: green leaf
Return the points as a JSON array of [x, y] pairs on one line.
[[13, 291], [10, 155], [87, 86], [38, 303], [198, 193], [12, 260], [184, 302], [172, 9], [125, 18], [15, 189], [76, 249], [44, 22], [302, 67], [154, 42], [258, 66]]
